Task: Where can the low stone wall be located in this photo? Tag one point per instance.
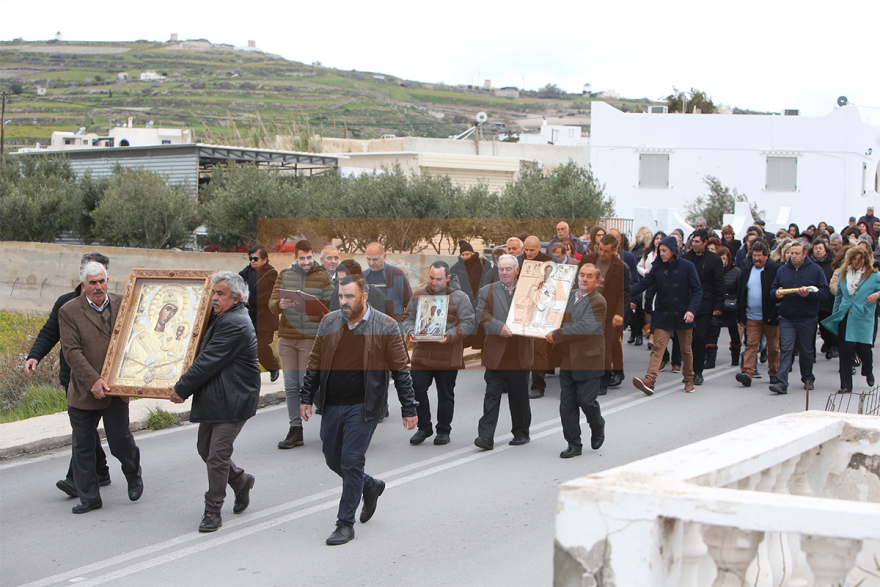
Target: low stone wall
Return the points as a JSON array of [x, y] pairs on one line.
[[33, 275]]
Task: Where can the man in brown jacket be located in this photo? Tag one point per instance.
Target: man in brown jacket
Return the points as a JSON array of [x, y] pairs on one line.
[[86, 323], [438, 361]]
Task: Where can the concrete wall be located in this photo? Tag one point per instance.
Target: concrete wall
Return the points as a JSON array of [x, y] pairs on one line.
[[33, 275], [832, 152]]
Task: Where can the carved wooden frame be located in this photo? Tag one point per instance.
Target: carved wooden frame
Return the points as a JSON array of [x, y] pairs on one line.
[[125, 320]]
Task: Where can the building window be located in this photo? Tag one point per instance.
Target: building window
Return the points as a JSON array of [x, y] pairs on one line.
[[782, 174], [653, 171], [166, 141]]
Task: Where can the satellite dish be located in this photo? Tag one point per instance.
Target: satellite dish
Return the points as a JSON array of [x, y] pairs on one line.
[[842, 101], [482, 117]]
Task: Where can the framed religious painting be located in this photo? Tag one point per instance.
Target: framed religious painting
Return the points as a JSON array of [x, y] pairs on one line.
[[540, 298], [161, 319], [431, 318]]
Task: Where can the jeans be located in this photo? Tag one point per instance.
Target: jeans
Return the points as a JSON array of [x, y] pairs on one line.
[[802, 330], [516, 383], [294, 355], [215, 447], [444, 379], [346, 437], [576, 396]]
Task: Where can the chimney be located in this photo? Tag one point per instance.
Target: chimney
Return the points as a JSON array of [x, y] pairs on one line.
[[173, 37], [252, 44]]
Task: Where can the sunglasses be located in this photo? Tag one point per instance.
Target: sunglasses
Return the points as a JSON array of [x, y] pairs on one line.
[[254, 258]]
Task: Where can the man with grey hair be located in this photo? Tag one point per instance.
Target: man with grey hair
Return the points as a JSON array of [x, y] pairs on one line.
[[330, 261], [86, 323], [514, 246], [835, 242], [563, 231], [46, 340], [224, 380]]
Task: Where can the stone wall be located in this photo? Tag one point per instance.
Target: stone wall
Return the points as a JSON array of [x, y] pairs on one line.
[[33, 275]]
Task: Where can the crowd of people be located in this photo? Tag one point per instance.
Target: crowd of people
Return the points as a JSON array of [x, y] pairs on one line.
[[339, 355]]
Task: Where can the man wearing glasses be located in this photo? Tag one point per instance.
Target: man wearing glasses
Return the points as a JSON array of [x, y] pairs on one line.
[[297, 330]]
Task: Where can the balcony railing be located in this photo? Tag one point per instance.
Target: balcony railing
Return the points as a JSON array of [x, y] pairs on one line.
[[791, 501]]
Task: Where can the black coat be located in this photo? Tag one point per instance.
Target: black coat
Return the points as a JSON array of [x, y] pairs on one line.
[[710, 269], [769, 306], [50, 335], [224, 378], [677, 288], [826, 305]]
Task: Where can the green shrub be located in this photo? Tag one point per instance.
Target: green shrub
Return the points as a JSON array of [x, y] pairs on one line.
[[160, 419], [17, 334], [37, 400]]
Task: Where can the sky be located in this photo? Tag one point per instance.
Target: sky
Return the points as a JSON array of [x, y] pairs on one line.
[[765, 55]]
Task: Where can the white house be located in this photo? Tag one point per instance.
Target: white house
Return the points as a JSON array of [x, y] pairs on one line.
[[120, 136], [556, 134], [819, 167], [147, 76]]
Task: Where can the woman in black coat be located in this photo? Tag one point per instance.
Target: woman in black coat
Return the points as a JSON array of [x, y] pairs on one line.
[[727, 319], [821, 255]]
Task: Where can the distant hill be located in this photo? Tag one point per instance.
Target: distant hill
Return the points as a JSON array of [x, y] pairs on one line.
[[226, 93]]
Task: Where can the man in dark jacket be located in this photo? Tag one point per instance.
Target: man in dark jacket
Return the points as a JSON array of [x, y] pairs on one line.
[[46, 340], [583, 346], [798, 313], [677, 299], [614, 287], [756, 311], [507, 359], [532, 252], [260, 278], [350, 391], [224, 380], [563, 232], [710, 269], [297, 330]]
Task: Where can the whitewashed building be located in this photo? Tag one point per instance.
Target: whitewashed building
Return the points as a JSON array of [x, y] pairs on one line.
[[556, 134], [801, 169], [120, 136]]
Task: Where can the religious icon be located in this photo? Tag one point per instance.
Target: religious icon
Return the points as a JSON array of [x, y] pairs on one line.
[[540, 298], [431, 318], [156, 338]]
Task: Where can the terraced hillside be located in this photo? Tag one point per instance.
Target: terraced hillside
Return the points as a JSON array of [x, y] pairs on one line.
[[236, 95]]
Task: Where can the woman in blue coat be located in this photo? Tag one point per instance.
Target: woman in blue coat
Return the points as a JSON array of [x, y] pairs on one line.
[[853, 316]]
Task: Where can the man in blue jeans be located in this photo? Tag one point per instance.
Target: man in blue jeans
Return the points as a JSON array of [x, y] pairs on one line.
[[347, 382], [798, 313]]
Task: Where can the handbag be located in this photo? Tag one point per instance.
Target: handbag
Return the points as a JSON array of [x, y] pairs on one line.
[[729, 304]]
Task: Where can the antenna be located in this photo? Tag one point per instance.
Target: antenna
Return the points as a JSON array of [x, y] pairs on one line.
[[81, 130], [482, 117], [842, 101], [150, 124]]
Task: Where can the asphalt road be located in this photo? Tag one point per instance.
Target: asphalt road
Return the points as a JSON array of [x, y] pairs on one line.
[[451, 515]]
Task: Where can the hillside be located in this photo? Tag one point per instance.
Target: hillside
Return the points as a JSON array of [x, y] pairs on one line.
[[220, 91]]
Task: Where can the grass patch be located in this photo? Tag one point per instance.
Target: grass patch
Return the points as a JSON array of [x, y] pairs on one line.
[[161, 419], [38, 400]]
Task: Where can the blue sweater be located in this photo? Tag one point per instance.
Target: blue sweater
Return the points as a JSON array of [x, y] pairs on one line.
[[794, 306]]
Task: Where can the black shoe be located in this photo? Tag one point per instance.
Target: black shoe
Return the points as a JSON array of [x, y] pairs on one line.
[[869, 379], [597, 438], [616, 380], [484, 443], [88, 506], [698, 379], [808, 385], [632, 338], [650, 346], [603, 390], [519, 440], [763, 358], [571, 451], [828, 355], [441, 438], [420, 436], [210, 522], [342, 535], [273, 376], [835, 353], [639, 341], [243, 497], [844, 390], [744, 379], [136, 487], [774, 379], [67, 486], [370, 501], [757, 375], [294, 438], [104, 481], [536, 394], [779, 389]]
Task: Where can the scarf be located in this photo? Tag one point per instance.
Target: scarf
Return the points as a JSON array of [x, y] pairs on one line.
[[853, 279]]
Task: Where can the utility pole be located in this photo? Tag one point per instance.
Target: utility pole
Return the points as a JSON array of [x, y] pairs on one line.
[[2, 126]]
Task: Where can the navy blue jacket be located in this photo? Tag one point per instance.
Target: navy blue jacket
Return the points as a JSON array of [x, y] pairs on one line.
[[793, 306], [677, 286]]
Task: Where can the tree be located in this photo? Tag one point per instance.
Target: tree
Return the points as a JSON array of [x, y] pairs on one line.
[[550, 91], [693, 99], [719, 201], [15, 88], [139, 209], [39, 199]]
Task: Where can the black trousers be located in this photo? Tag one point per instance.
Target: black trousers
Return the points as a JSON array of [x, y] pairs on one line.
[[848, 351], [702, 323], [122, 445], [100, 457], [444, 380], [264, 350], [516, 384], [576, 396]]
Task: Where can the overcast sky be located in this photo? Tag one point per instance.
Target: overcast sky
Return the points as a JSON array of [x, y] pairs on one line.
[[761, 55]]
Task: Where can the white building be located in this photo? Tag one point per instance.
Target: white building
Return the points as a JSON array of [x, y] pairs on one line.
[[120, 136], [816, 167], [556, 134], [147, 76]]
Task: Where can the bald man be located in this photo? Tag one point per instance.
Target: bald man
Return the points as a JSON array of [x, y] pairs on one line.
[[390, 279]]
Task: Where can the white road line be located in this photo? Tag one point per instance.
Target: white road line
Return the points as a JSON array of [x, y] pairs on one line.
[[458, 457]]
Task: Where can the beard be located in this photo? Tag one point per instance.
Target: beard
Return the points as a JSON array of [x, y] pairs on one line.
[[356, 309]]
